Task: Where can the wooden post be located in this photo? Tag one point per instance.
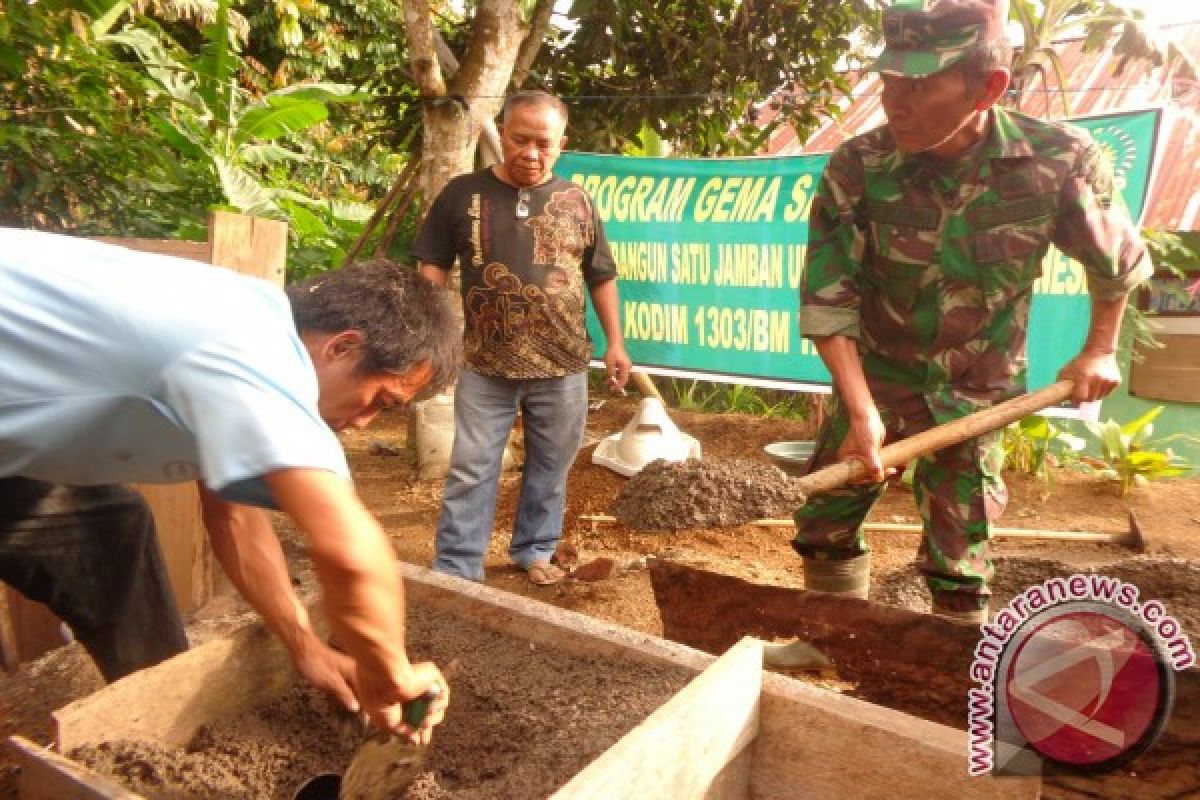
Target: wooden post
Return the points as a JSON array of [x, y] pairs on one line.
[[27, 629], [8, 637], [183, 540], [249, 245]]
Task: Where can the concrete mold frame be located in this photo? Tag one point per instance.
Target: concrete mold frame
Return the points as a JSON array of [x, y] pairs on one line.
[[734, 732]]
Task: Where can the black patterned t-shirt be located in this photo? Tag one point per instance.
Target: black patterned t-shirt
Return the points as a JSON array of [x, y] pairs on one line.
[[527, 256]]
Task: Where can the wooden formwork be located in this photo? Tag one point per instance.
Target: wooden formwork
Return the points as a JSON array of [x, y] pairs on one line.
[[734, 732]]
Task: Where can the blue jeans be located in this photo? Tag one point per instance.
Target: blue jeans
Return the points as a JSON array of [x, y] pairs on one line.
[[554, 412]]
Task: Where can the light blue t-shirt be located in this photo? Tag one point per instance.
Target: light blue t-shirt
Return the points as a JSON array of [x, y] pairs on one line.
[[120, 366]]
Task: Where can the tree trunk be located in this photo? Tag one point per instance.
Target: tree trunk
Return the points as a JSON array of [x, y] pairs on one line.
[[457, 107]]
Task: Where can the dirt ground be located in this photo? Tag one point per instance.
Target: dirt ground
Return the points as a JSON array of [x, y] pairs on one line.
[[1168, 513]]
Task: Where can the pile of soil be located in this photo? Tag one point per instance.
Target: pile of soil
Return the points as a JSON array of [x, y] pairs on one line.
[[523, 720], [691, 494]]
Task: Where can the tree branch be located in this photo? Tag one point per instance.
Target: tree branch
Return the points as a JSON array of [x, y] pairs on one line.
[[539, 24], [422, 53]]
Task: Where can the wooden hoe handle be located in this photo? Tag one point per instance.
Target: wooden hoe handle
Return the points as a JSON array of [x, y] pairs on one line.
[[900, 453], [644, 385]]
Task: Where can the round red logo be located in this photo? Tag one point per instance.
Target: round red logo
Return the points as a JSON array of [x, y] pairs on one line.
[[1087, 689]]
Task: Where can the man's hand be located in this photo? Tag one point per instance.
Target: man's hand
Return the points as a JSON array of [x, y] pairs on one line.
[[865, 437], [1095, 375], [617, 366], [384, 703], [328, 669], [245, 544], [361, 591], [863, 442], [616, 360]]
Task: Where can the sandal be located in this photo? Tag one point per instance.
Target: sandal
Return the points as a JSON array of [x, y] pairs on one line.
[[566, 557], [543, 573]]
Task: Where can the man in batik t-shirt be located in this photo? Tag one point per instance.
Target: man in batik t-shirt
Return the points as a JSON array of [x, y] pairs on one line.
[[528, 244]]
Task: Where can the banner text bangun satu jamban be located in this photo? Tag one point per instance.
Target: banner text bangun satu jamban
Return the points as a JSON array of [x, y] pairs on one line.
[[730, 198]]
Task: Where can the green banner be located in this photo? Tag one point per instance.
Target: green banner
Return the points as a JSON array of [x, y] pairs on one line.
[[709, 255]]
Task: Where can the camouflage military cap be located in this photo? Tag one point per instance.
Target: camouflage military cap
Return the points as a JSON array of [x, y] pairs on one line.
[[926, 36]]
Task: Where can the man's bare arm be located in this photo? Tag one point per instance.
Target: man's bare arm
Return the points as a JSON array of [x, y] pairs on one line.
[[361, 587], [1095, 370], [245, 544], [434, 274], [840, 356], [616, 359]]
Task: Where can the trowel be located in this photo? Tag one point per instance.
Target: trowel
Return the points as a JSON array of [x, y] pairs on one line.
[[383, 767]]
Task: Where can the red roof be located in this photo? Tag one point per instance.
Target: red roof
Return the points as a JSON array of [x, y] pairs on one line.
[[1173, 202]]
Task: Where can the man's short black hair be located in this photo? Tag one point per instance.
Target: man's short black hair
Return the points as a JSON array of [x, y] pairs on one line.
[[405, 320]]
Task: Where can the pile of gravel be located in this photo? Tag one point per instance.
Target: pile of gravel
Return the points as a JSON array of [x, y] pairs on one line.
[[674, 495]]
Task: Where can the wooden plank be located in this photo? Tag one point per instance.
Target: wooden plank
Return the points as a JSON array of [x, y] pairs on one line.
[[786, 767], [814, 743], [184, 541], [249, 245], [542, 623], [679, 750], [733, 781], [9, 651], [697, 746], [168, 702], [34, 628], [1170, 372], [196, 251], [45, 775], [1175, 385]]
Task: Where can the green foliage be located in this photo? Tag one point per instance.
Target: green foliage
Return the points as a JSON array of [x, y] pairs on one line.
[[694, 71], [135, 117], [1030, 444], [78, 145], [252, 145], [120, 124], [647, 144], [1177, 252], [1128, 457], [1176, 282], [1046, 22], [354, 42], [1178, 256], [715, 398]]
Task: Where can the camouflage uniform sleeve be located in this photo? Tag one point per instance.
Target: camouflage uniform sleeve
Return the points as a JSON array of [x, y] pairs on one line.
[[1094, 228], [830, 290]]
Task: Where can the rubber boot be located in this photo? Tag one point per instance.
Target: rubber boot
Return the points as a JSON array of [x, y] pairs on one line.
[[794, 655], [848, 577]]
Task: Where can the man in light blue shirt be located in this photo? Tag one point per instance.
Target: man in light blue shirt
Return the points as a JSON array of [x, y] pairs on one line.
[[120, 366]]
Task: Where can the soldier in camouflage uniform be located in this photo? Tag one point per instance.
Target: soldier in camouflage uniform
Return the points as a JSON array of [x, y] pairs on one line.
[[926, 237]]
